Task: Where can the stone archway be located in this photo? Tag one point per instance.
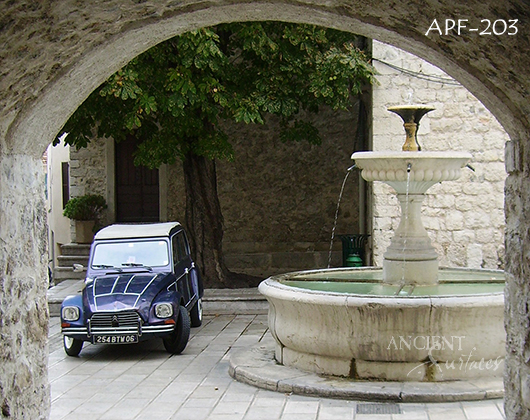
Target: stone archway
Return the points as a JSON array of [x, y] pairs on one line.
[[56, 53]]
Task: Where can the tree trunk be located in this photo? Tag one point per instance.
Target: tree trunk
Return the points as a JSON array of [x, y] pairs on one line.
[[204, 220]]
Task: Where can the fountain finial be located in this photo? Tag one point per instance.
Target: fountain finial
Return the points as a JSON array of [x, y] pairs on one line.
[[411, 116]]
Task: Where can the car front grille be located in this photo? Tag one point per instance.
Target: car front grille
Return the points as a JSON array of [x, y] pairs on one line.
[[126, 322]]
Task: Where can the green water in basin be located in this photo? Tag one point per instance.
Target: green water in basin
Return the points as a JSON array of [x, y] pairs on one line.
[[369, 282]]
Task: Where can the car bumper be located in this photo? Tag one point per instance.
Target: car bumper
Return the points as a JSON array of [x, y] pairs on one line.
[[144, 332]]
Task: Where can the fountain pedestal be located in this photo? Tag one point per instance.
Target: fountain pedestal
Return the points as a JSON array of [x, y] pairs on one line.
[[410, 258]]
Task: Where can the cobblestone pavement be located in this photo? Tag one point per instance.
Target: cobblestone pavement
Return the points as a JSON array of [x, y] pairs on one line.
[[142, 381]]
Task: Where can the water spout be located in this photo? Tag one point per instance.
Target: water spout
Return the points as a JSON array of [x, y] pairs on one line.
[[470, 167], [409, 167], [351, 168], [409, 97], [337, 213]]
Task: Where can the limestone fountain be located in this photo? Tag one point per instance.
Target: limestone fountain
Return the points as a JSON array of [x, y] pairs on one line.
[[410, 320]]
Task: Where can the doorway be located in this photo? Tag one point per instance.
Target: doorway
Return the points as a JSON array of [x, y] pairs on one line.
[[137, 187]]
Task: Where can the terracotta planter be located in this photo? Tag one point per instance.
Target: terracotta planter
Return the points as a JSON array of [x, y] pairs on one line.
[[84, 231]]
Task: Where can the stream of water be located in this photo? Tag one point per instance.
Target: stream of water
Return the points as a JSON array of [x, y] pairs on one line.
[[337, 216], [405, 223]]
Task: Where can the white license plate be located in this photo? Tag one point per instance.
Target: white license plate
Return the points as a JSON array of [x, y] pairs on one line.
[[115, 339]]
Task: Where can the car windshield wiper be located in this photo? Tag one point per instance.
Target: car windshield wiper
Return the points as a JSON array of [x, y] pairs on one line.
[[105, 266], [137, 265]]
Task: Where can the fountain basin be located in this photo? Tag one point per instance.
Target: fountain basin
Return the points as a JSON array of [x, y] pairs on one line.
[[426, 168], [349, 323]]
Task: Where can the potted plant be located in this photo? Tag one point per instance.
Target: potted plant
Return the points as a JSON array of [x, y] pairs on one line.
[[85, 211]]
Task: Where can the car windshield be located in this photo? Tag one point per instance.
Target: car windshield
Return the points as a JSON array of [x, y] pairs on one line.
[[151, 253]]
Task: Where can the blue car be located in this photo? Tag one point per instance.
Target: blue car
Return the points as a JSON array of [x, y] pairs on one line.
[[141, 283]]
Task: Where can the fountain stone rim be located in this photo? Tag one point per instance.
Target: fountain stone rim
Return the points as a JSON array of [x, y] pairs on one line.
[[394, 160], [276, 282]]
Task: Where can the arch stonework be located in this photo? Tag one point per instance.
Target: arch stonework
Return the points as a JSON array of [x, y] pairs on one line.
[[57, 52]]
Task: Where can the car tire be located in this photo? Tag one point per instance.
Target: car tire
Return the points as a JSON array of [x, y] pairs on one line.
[[196, 314], [177, 341], [72, 346]]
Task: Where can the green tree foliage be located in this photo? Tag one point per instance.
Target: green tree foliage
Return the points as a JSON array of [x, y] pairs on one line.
[[173, 97]]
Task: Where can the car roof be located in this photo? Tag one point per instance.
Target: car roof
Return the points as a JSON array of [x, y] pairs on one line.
[[144, 230]]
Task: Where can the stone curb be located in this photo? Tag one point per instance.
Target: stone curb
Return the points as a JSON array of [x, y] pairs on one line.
[[256, 366], [215, 301]]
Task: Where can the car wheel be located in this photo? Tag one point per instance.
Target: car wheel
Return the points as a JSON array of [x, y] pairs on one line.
[[196, 314], [72, 346], [177, 341]]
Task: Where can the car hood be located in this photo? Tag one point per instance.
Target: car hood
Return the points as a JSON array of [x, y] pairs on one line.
[[116, 292]]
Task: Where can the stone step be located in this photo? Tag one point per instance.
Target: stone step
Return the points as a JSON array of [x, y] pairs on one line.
[[61, 274], [68, 261], [71, 254], [75, 249], [234, 301]]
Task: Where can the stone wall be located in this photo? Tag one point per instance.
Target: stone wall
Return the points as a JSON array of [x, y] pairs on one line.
[[464, 218], [89, 168], [24, 390], [278, 199]]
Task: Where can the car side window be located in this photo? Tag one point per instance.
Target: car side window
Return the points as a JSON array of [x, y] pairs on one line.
[[180, 248], [174, 247], [183, 245]]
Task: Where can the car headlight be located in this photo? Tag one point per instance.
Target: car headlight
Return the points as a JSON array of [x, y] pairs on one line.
[[70, 313], [163, 310]]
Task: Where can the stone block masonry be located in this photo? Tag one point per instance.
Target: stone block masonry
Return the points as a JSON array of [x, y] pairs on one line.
[[24, 391], [464, 218], [278, 199]]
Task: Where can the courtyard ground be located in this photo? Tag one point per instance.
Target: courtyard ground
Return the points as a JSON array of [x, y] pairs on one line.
[[144, 382]]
